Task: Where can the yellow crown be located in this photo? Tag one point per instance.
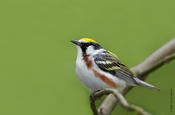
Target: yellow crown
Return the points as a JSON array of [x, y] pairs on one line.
[[88, 40]]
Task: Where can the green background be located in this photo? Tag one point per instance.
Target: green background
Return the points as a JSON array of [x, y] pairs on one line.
[[37, 61]]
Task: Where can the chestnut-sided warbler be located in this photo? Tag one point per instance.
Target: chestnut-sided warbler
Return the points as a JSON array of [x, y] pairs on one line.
[[98, 68]]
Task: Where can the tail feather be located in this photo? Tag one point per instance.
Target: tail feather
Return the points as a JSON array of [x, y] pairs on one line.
[[142, 83]]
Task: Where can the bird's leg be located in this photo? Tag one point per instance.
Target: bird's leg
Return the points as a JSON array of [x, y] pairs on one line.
[[93, 97]]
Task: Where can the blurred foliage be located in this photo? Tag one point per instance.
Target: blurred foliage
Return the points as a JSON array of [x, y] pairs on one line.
[[37, 61]]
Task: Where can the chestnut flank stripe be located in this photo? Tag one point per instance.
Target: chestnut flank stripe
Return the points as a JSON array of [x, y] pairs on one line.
[[105, 79]]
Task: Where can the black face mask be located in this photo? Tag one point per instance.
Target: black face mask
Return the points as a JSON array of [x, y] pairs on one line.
[[84, 46]]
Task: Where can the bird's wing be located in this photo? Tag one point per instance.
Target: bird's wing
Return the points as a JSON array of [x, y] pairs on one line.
[[110, 63]]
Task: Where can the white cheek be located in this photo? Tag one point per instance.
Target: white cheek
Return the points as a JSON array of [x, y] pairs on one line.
[[90, 50]]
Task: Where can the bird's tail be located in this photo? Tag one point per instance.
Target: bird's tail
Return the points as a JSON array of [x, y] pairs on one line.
[[142, 83]]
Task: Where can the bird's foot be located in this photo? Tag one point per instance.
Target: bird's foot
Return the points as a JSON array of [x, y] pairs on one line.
[[92, 95]]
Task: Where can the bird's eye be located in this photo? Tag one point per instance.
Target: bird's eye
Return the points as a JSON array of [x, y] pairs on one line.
[[86, 44]]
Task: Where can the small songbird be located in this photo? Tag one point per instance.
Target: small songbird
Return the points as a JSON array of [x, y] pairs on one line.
[[98, 68]]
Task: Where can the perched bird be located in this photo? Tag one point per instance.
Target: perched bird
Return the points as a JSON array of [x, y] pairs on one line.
[[98, 68]]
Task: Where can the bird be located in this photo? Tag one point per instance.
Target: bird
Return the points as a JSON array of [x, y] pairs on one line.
[[98, 68]]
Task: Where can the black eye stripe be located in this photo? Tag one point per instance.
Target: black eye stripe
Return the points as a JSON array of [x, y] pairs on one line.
[[85, 45]]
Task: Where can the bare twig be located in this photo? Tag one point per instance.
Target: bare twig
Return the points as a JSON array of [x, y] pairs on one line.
[[159, 55], [119, 96], [153, 62], [156, 66], [125, 104]]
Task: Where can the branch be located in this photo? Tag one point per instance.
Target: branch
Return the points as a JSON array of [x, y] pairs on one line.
[[157, 65], [117, 95], [153, 62]]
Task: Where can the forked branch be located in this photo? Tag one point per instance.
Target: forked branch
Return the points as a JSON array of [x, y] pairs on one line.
[[120, 97]]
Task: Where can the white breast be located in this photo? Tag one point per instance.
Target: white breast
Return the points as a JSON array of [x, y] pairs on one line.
[[87, 77]]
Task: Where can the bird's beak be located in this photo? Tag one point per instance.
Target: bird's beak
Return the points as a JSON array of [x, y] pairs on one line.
[[76, 42]]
